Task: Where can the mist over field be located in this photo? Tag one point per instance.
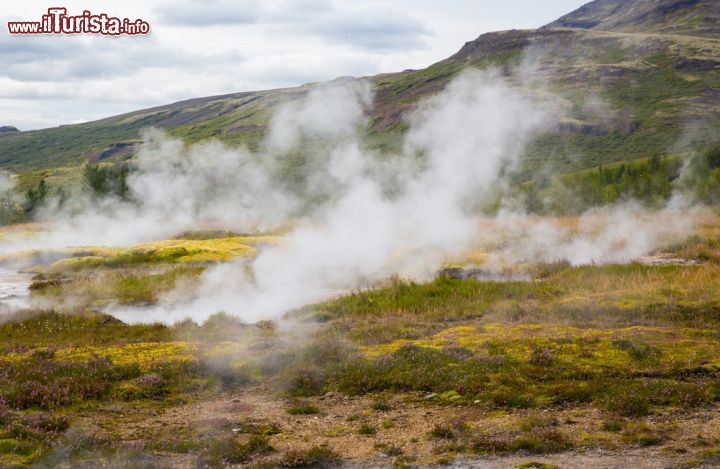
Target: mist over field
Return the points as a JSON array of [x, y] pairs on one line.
[[355, 216]]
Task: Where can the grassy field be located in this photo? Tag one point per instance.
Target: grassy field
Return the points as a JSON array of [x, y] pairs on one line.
[[572, 360]]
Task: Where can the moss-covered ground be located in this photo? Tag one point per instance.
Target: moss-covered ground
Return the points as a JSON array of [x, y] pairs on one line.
[[598, 361]]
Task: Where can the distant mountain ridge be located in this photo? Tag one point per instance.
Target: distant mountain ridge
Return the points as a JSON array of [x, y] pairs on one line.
[[694, 17]]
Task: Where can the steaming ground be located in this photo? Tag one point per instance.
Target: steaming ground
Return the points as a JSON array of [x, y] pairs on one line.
[[352, 218], [415, 373]]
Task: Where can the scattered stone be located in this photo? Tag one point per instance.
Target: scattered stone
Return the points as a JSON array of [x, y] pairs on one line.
[[481, 275], [666, 258], [431, 395]]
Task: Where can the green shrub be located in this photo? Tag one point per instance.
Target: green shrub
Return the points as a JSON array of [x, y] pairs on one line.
[[381, 405], [304, 381], [542, 356], [389, 449], [542, 440], [537, 421], [37, 426], [507, 397], [230, 451], [48, 384], [640, 433], [613, 425], [628, 404], [367, 430], [637, 349], [442, 432], [536, 465], [303, 409], [315, 457]]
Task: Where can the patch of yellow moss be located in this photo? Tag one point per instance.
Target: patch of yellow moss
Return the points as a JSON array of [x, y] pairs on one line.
[[583, 349], [145, 354], [219, 249], [171, 250], [11, 453]]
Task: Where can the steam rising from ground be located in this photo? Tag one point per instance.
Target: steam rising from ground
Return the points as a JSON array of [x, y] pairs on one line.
[[354, 217], [604, 235], [403, 217]]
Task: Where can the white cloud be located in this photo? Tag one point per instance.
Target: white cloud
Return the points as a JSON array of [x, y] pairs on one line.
[[210, 13], [378, 27]]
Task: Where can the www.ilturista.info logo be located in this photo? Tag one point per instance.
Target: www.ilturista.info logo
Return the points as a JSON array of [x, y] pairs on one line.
[[57, 21]]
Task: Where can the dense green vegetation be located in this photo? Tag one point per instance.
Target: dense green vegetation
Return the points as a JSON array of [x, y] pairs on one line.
[[103, 180], [650, 181]]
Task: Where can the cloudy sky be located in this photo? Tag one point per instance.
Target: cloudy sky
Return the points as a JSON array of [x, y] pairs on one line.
[[206, 47]]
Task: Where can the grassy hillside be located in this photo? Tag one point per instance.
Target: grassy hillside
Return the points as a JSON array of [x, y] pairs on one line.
[[627, 95]]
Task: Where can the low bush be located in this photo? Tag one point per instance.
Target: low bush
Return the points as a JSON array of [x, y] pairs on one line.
[[381, 405], [641, 434], [303, 409], [37, 426], [49, 384], [229, 451], [367, 430], [315, 457], [628, 403], [442, 432], [304, 381]]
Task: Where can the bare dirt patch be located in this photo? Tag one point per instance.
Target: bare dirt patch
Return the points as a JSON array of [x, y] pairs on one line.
[[403, 426]]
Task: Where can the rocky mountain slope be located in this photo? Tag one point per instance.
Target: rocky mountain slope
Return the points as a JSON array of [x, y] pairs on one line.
[[694, 17]]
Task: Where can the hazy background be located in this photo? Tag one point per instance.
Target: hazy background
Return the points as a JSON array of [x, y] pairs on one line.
[[201, 48]]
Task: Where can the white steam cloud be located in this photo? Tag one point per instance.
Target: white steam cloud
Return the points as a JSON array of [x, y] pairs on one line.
[[404, 217], [351, 217]]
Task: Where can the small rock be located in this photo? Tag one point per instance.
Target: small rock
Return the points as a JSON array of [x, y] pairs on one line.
[[237, 430], [329, 394], [431, 395]]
